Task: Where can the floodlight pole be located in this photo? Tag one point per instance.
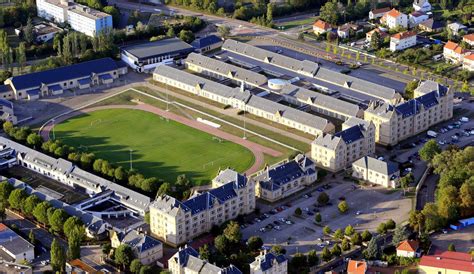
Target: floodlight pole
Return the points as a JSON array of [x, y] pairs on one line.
[[167, 96], [54, 135], [245, 130], [131, 161]]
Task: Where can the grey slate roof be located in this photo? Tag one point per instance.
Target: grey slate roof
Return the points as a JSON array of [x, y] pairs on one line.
[[222, 68], [376, 165], [188, 257], [150, 49], [139, 241], [269, 259], [321, 100], [228, 175], [429, 86], [12, 242]]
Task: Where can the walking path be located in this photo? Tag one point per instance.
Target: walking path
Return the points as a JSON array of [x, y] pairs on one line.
[[257, 150]]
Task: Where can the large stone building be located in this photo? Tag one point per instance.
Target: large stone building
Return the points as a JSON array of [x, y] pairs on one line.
[[83, 75], [81, 18], [243, 100], [285, 178], [338, 151], [176, 222], [376, 171], [187, 261], [269, 263], [433, 103]]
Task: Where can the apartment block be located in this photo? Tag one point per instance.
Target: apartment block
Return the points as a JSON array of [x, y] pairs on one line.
[[81, 18], [433, 103], [395, 19], [283, 179], [338, 151], [402, 40], [177, 222], [453, 52]]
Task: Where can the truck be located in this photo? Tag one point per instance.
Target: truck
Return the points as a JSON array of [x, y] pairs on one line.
[[431, 134], [464, 120]]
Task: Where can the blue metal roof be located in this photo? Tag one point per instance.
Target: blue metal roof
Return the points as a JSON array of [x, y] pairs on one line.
[[408, 108], [55, 87], [84, 81], [428, 100], [231, 269], [281, 175], [268, 260], [224, 192], [106, 76], [200, 43], [148, 243], [33, 92], [351, 134], [6, 103], [80, 70], [184, 253], [198, 203], [5, 88]]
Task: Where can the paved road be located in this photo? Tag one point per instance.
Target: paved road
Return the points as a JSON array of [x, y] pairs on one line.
[[257, 150]]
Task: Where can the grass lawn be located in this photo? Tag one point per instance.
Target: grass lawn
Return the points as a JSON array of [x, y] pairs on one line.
[[297, 23], [164, 149]]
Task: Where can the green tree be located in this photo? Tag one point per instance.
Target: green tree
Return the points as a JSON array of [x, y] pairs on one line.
[[406, 180], [349, 230], [313, 258], [336, 250], [74, 240], [57, 220], [34, 139], [119, 173], [115, 14], [232, 232], [318, 218], [390, 224], [5, 190], [323, 198], [466, 195], [41, 212], [186, 35], [356, 239], [31, 237], [135, 266], [255, 243], [106, 248], [432, 219], [224, 31], [448, 203], [372, 252], [28, 32], [298, 211], [123, 255], [326, 230], [204, 252], [410, 88], [345, 245], [429, 150], [16, 199], [399, 235], [70, 224], [58, 258], [343, 207], [146, 269], [21, 56], [326, 254], [366, 236], [278, 249], [329, 12], [451, 247], [30, 203], [221, 243], [382, 228], [170, 32], [416, 220], [338, 234], [375, 41], [269, 12], [164, 189]]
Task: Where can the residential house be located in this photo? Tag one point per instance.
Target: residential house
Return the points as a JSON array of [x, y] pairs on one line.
[[417, 17], [176, 222], [432, 25], [145, 248], [468, 62], [376, 171], [469, 39], [207, 43], [187, 261], [13, 248], [422, 5], [394, 19], [320, 27], [446, 262], [356, 267], [456, 28], [79, 266], [433, 103], [377, 13], [409, 248], [338, 151], [402, 40], [453, 52], [285, 178], [348, 29], [368, 35], [269, 263], [7, 111]]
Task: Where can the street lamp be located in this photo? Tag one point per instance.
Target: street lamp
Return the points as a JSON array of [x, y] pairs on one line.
[[54, 135], [131, 161]]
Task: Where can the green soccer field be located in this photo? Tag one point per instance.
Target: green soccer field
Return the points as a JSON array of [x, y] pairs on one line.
[[164, 149]]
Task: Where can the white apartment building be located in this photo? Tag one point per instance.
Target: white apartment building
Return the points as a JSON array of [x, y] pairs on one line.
[[187, 261], [402, 40], [468, 62], [177, 222], [395, 19], [269, 263], [81, 18], [454, 53], [338, 151], [433, 103], [417, 17], [376, 171], [285, 178]]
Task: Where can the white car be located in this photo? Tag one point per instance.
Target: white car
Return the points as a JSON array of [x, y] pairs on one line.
[[277, 227], [289, 222], [358, 212]]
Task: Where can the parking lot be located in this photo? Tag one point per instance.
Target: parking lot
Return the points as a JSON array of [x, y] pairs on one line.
[[301, 234], [462, 239]]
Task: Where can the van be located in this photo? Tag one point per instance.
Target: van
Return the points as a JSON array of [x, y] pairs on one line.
[[464, 120], [431, 134]]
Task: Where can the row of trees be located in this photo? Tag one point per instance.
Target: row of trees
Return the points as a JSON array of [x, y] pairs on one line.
[[9, 55], [334, 12], [99, 166], [455, 194], [56, 219]]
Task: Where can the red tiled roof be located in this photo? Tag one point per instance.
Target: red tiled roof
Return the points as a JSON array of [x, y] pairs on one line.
[[382, 10], [404, 35], [449, 260], [322, 25], [454, 47], [3, 227], [356, 267], [470, 57], [382, 33], [469, 37], [393, 13], [408, 245]]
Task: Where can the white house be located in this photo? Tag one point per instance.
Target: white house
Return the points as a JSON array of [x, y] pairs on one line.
[[457, 27], [376, 171], [409, 248], [417, 17], [377, 13], [469, 38], [402, 40], [320, 27], [453, 52], [395, 19], [14, 248], [468, 62], [421, 5]]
